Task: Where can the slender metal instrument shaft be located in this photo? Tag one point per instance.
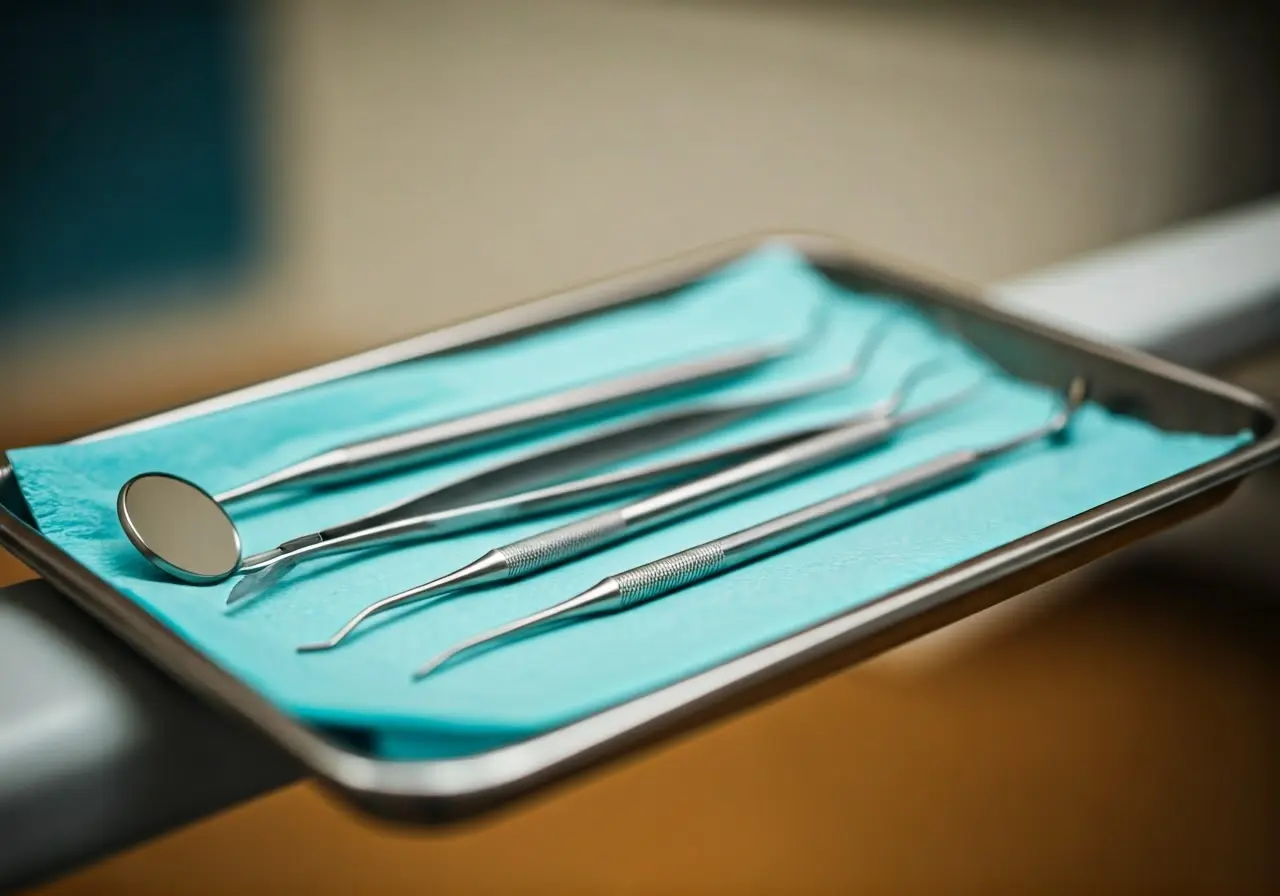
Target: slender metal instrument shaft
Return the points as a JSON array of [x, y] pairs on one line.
[[420, 515], [676, 571], [385, 454], [554, 546], [266, 569]]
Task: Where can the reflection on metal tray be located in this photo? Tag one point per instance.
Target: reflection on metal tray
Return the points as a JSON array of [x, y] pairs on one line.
[[440, 790]]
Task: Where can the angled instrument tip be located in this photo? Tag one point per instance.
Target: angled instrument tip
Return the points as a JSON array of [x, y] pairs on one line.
[[341, 634], [433, 664], [493, 635], [604, 597], [489, 568], [871, 342], [1055, 428], [1077, 392], [892, 403], [255, 583], [318, 646]]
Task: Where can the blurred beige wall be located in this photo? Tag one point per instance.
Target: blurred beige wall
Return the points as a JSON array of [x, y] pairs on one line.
[[431, 161]]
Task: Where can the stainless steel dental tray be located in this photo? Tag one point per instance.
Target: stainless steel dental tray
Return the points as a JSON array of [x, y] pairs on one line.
[[442, 790]]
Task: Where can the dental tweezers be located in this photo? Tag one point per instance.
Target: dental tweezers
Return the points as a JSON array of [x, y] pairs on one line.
[[423, 515]]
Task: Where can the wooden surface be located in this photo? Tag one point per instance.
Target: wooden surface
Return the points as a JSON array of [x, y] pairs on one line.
[[1120, 739]]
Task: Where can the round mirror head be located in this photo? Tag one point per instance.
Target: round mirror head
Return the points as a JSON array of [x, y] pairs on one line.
[[179, 528]]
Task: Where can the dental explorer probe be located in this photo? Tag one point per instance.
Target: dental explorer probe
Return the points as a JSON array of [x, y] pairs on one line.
[[554, 546], [661, 577]]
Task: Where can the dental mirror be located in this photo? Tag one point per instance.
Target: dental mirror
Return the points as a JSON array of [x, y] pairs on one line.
[[179, 527]]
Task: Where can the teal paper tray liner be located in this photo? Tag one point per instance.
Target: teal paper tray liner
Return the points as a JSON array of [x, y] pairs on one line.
[[542, 682]]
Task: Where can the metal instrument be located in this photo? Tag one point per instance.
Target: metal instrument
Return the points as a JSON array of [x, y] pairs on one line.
[[438, 512], [661, 577], [537, 552], [186, 532], [263, 571]]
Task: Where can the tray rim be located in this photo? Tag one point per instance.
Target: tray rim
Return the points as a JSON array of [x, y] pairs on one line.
[[443, 790]]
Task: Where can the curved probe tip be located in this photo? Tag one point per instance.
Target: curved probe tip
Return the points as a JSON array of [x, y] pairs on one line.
[[340, 635], [491, 636], [427, 668], [317, 646], [1077, 392], [441, 659]]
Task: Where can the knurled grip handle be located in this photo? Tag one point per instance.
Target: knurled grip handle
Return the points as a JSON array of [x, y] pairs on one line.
[[661, 576], [562, 543]]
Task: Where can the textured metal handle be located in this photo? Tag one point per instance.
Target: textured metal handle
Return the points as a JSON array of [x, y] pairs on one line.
[[661, 576], [541, 550]]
